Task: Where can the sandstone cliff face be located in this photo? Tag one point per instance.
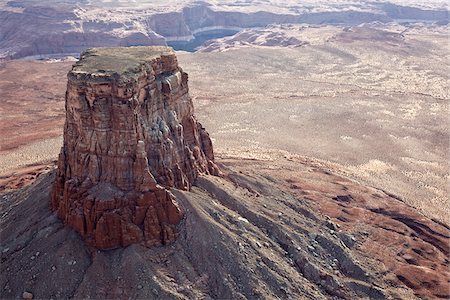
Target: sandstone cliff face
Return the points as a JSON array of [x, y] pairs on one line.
[[129, 134]]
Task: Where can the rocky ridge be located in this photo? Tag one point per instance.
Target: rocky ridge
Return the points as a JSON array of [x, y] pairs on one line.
[[129, 134], [47, 28], [283, 227]]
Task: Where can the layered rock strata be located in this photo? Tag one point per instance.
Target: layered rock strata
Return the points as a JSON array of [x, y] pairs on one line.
[[129, 135]]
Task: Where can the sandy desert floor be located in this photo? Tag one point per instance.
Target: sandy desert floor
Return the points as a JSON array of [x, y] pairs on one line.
[[377, 106], [371, 101], [324, 148]]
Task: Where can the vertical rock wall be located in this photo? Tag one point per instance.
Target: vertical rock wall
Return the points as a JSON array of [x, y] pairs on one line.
[[129, 135]]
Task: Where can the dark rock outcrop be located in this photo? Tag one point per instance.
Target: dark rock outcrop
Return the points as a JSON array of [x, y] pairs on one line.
[[129, 135]]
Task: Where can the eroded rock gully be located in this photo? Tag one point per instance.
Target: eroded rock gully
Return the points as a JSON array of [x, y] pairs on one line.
[[130, 134]]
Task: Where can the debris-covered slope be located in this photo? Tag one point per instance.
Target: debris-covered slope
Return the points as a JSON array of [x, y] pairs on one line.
[[283, 228]]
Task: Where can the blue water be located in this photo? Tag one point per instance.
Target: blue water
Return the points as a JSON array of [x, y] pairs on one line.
[[200, 39]]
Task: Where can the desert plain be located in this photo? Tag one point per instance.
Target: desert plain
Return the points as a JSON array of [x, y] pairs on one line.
[[372, 101], [330, 126]]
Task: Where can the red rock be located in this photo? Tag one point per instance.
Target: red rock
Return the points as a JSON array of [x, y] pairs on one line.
[[129, 135]]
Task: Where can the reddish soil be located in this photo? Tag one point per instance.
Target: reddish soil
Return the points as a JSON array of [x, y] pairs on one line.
[[32, 97], [278, 227], [286, 227], [413, 247], [23, 177]]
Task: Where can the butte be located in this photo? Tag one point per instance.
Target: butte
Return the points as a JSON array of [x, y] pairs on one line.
[[129, 136]]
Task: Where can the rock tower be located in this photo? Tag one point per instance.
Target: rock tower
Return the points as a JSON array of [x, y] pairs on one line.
[[129, 135]]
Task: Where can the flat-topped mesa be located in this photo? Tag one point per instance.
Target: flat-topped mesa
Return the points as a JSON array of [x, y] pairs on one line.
[[129, 134]]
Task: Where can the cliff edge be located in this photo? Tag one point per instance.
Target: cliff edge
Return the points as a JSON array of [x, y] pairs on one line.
[[129, 134]]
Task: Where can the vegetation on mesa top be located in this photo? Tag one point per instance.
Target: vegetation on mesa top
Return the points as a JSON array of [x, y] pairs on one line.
[[123, 61]]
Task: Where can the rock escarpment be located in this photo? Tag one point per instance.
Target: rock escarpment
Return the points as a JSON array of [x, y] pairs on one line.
[[129, 135]]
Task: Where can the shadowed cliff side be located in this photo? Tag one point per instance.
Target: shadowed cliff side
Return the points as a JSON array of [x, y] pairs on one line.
[[129, 133]]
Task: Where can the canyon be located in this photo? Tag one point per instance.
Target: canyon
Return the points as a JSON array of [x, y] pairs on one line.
[[329, 173], [64, 28]]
